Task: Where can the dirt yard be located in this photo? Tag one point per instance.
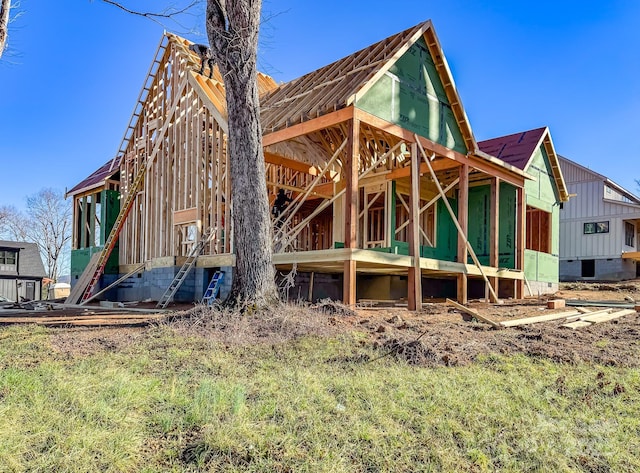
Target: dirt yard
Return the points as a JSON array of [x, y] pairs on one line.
[[436, 336]]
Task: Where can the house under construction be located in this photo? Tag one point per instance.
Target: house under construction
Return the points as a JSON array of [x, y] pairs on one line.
[[392, 195]]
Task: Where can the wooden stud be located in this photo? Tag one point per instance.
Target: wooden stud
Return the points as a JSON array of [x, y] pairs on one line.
[[520, 239], [414, 295], [494, 230], [351, 209], [463, 219]]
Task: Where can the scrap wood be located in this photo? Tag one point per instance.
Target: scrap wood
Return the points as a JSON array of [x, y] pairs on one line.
[[589, 314], [614, 304], [539, 318], [569, 316], [588, 320], [128, 309], [104, 319], [474, 313]]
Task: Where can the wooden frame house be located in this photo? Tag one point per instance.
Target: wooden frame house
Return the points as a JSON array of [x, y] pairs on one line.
[[392, 197]]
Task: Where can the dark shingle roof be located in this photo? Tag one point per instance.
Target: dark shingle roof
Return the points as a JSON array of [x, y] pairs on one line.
[[29, 261], [97, 178], [515, 149]]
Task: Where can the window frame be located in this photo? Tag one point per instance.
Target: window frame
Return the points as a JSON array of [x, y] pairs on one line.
[[629, 234], [594, 228]]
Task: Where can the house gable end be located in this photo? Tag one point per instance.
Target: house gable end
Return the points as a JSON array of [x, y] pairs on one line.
[[412, 95]]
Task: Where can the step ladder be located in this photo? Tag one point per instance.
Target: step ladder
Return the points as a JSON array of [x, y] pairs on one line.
[[185, 269], [213, 289]]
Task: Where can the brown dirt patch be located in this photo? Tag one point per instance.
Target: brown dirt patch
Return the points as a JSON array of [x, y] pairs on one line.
[[436, 336], [89, 341]]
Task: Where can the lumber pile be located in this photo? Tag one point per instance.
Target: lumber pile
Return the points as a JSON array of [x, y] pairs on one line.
[[575, 318], [98, 320]]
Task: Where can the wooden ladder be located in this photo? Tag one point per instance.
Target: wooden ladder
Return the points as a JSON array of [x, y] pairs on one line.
[[98, 267], [185, 269]]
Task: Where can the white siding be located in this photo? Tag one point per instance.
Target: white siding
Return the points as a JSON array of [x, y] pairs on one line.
[[589, 206], [575, 173]]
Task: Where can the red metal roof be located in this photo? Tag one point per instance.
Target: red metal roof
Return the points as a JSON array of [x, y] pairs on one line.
[[97, 178], [515, 149]]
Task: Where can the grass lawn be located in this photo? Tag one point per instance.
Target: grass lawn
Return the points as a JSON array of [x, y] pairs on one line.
[[174, 402]]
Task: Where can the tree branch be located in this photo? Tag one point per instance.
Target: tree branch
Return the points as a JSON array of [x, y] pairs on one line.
[[154, 15]]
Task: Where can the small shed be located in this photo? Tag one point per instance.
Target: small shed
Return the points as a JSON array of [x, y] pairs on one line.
[[21, 270], [59, 290]]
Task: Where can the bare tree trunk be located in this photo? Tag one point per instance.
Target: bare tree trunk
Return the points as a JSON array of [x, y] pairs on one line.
[[232, 28], [5, 6]]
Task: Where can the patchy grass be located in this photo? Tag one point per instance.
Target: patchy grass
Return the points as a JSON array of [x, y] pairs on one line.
[[175, 401]]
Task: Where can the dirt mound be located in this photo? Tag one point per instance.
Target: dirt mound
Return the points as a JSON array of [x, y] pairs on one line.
[[277, 324], [616, 343]]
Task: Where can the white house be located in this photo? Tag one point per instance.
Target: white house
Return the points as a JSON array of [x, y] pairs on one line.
[[598, 227]]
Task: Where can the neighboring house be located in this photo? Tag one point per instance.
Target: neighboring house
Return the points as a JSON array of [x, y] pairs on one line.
[[368, 221], [21, 270], [534, 153], [598, 228]]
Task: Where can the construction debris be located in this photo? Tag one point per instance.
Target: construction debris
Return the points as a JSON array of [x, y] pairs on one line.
[[474, 314], [588, 320], [556, 304]]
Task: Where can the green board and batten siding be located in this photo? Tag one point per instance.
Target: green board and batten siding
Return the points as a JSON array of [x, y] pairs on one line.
[[542, 194], [480, 224], [412, 96], [109, 208]]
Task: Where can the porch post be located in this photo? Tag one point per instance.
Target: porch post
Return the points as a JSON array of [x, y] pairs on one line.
[[414, 295], [521, 212], [351, 210], [494, 237], [463, 220]]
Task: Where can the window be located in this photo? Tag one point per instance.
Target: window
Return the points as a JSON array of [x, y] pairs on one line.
[[538, 230], [629, 234], [596, 227], [8, 257]]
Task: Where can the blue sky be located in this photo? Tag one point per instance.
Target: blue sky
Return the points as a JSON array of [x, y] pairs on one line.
[[74, 70]]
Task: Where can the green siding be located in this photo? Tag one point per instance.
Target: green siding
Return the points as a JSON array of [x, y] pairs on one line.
[[109, 209], [446, 234], [479, 233], [541, 267], [446, 248], [479, 223], [412, 96], [507, 230], [543, 194]]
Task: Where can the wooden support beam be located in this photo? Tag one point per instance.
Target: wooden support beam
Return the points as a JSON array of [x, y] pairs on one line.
[[494, 230], [349, 283], [521, 218], [351, 208], [474, 313], [463, 219], [278, 160], [456, 223], [307, 127], [493, 167], [294, 231], [414, 297], [297, 203]]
